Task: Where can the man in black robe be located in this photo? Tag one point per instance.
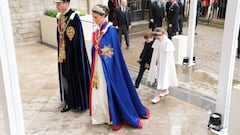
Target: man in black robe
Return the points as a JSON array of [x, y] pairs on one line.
[[73, 63]]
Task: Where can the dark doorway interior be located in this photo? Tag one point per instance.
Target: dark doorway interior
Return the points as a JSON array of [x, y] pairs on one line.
[[137, 9]]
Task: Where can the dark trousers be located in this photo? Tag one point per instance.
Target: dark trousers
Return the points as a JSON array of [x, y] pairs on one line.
[[238, 50], [171, 31], [157, 24], [123, 29], [196, 22], [180, 24], [64, 89], [140, 74]]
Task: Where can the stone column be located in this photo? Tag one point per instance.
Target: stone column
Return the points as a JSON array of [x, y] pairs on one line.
[[191, 31], [227, 61], [9, 84]]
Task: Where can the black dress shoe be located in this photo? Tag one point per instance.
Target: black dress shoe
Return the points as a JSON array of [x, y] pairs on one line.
[[65, 108], [238, 56]]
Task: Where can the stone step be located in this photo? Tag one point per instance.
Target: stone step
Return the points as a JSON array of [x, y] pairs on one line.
[[218, 23], [139, 27]]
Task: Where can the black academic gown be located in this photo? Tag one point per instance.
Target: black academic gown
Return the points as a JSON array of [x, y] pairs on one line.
[[74, 71]]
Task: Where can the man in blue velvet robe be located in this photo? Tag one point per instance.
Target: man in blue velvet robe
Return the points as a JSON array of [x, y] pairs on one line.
[[73, 63]]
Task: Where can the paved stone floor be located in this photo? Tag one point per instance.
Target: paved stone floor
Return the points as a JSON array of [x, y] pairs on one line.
[[37, 67], [202, 77]]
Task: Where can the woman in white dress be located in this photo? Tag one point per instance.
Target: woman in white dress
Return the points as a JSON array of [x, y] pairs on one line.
[[162, 67]]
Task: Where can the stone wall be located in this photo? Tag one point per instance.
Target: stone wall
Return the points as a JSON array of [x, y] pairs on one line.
[[25, 16]]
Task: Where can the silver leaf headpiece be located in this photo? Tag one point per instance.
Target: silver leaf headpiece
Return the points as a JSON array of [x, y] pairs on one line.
[[98, 9], [158, 33]]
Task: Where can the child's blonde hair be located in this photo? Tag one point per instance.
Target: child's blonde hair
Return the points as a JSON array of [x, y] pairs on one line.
[[159, 31]]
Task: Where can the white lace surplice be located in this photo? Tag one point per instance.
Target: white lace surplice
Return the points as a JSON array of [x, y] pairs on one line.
[[100, 108]]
